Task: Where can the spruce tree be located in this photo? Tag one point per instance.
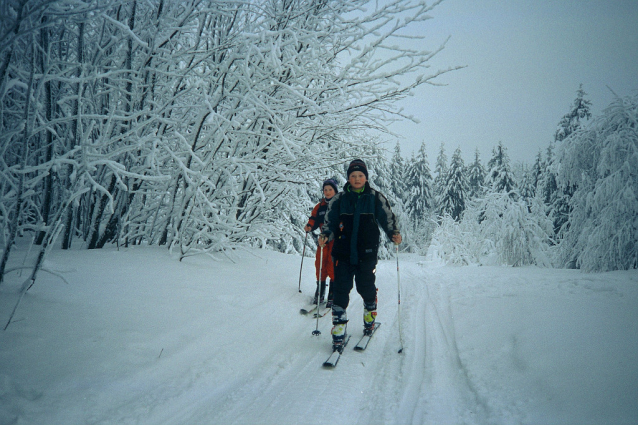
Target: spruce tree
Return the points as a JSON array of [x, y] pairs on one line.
[[547, 183], [571, 121], [500, 177], [419, 186], [537, 170], [440, 174], [569, 125], [397, 174], [456, 188], [526, 187], [476, 177]]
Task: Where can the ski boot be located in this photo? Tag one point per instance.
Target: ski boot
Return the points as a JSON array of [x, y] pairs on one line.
[[369, 317], [320, 297], [339, 325]]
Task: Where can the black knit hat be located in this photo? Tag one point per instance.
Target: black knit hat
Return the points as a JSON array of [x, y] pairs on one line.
[[330, 182], [357, 165]]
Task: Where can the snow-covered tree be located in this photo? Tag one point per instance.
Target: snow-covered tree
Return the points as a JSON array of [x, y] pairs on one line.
[[456, 188], [571, 122], [419, 186], [527, 187], [440, 174], [500, 178], [418, 229], [476, 177], [536, 172], [546, 185], [196, 124], [398, 173], [379, 171], [521, 234], [601, 162]]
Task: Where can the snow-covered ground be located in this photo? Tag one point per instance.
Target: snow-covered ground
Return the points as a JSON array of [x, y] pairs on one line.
[[136, 336]]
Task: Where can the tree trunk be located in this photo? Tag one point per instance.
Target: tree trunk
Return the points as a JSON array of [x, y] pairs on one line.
[[48, 180], [75, 137], [13, 225]]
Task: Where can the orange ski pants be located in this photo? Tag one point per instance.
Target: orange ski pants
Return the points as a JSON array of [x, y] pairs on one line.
[[327, 269]]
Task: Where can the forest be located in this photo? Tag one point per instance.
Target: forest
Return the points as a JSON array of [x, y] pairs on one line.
[[206, 126]]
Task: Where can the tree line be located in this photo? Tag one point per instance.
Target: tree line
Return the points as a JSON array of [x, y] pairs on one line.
[[575, 206], [208, 125]]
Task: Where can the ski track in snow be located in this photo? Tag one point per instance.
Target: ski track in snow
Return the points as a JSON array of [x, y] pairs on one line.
[[427, 383], [241, 353], [433, 386]]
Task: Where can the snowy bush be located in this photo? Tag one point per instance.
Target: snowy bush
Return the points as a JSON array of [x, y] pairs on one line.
[[496, 229], [454, 243], [417, 235]]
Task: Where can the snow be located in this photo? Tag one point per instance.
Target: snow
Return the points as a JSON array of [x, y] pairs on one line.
[[135, 336]]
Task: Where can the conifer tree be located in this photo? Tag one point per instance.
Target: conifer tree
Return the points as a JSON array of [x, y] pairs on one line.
[[440, 174], [476, 177], [500, 177], [397, 173], [571, 121], [526, 187], [456, 188], [537, 170], [546, 186], [419, 186], [569, 125]]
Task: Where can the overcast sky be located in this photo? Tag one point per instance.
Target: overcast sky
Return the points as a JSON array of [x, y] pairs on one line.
[[525, 61]]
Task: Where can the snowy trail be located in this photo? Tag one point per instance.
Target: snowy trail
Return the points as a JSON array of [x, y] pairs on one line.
[[138, 337], [386, 387], [432, 385], [425, 384], [452, 393]]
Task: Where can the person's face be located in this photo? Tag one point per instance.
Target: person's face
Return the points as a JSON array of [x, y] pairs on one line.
[[357, 179], [328, 192]]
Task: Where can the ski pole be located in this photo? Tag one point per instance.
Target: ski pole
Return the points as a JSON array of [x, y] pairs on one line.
[[399, 297], [317, 332], [303, 254]]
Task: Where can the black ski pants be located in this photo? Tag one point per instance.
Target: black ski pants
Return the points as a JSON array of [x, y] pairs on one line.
[[362, 274]]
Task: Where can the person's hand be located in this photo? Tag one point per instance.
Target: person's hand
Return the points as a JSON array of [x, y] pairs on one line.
[[396, 238], [307, 228], [322, 240]]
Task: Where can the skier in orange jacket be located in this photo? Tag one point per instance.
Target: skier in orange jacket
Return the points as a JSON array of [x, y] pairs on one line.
[[315, 221]]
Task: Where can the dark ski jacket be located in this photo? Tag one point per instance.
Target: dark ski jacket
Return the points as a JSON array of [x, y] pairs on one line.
[[353, 219]]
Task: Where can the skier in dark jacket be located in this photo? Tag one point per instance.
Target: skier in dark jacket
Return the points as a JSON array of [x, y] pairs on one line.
[[315, 222], [352, 221]]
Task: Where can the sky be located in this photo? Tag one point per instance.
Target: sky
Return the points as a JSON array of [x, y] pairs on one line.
[[524, 61]]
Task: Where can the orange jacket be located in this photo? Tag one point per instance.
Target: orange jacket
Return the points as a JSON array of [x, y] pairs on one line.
[[318, 215]]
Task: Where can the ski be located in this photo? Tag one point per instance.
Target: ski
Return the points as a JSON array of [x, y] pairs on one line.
[[324, 310], [365, 339], [309, 309], [335, 356]]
